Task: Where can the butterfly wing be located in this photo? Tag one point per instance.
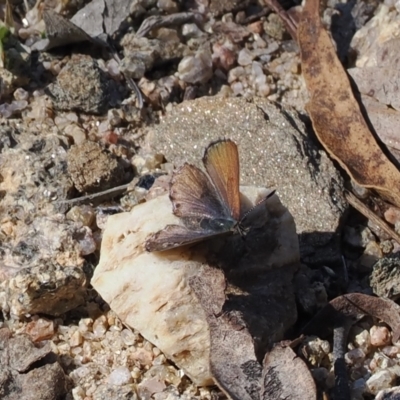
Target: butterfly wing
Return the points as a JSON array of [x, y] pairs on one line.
[[193, 195], [173, 236], [221, 160]]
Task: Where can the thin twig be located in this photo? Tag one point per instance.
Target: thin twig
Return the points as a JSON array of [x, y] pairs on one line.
[[131, 83], [100, 196], [340, 334], [364, 210], [290, 23], [168, 21]]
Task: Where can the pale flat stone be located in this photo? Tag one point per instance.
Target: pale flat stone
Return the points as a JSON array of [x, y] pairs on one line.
[[150, 291]]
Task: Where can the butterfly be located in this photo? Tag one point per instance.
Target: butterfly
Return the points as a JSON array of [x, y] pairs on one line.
[[208, 205]]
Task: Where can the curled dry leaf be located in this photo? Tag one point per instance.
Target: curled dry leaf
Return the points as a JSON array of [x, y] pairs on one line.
[[232, 355], [286, 376], [335, 113], [355, 305]]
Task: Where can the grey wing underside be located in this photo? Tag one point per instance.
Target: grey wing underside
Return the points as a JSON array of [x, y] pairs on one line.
[[194, 196], [173, 236]]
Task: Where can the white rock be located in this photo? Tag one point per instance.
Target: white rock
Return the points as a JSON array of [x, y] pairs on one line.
[[354, 356], [245, 57], [380, 380], [197, 68], [120, 376], [150, 291]]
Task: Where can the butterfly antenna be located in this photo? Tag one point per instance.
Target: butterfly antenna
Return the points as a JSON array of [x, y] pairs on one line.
[[262, 201]]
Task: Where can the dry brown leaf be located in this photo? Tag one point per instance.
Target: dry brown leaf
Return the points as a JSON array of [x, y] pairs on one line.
[[232, 355], [355, 305], [335, 113], [286, 376]]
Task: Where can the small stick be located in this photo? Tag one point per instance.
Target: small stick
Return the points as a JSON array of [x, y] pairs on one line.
[[364, 210], [105, 194], [340, 334], [168, 21], [289, 22]]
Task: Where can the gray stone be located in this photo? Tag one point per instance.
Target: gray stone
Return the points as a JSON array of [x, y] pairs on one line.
[[82, 86], [385, 277], [275, 151]]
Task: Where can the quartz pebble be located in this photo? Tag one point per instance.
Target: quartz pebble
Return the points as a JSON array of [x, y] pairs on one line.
[[316, 350], [245, 57], [196, 68], [190, 31], [39, 330], [120, 376], [391, 351], [84, 238], [380, 380], [128, 337], [100, 326], [392, 215], [151, 386], [363, 341], [355, 356], [144, 357], [76, 339], [21, 94], [380, 336]]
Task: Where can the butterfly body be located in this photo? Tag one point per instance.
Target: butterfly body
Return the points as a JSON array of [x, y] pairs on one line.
[[208, 205]]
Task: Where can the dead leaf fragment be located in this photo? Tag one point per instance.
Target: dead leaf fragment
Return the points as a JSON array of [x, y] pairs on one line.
[[286, 376], [235, 367], [355, 305], [335, 113]]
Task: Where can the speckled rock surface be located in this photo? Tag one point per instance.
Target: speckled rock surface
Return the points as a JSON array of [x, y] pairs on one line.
[[82, 86], [92, 168], [385, 277], [275, 151]]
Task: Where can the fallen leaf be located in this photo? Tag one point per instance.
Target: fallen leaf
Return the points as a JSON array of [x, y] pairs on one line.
[[286, 376], [232, 355], [335, 113], [355, 305], [168, 21]]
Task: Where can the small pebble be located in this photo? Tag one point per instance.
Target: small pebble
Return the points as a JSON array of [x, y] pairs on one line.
[[355, 356], [41, 329], [245, 57], [316, 350], [168, 6], [363, 341], [391, 351], [84, 214], [144, 357], [120, 376], [190, 31], [151, 386], [21, 94], [380, 380], [392, 215], [76, 339], [128, 337], [100, 326], [197, 68], [380, 336]]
